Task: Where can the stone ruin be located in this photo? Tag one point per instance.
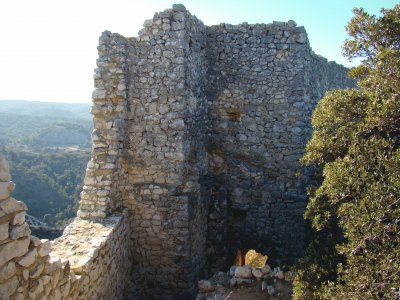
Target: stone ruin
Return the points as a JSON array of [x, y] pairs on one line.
[[197, 135]]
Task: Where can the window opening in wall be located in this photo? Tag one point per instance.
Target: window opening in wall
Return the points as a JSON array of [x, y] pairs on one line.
[[251, 258]]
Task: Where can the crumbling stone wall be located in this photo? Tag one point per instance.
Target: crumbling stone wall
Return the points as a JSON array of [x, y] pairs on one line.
[[101, 191], [198, 132], [149, 152], [92, 260], [164, 154]]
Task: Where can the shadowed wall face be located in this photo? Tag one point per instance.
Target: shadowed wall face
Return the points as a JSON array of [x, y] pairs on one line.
[[263, 83]]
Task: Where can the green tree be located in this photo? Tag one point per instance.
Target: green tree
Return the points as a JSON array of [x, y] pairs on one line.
[[355, 144]]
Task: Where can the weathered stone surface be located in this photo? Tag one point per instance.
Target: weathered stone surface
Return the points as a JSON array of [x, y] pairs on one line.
[[257, 273], [8, 288], [244, 281], [99, 94], [279, 274], [178, 7], [36, 289], [20, 231], [266, 269], [45, 248], [37, 270], [7, 271], [205, 286], [232, 270], [270, 290], [35, 241], [6, 189], [243, 272], [19, 218], [3, 231], [4, 169], [232, 282], [11, 205], [259, 123], [28, 258], [264, 286], [224, 282], [13, 249]]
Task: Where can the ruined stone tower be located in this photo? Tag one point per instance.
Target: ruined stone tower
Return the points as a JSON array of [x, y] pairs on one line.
[[197, 135], [198, 132]]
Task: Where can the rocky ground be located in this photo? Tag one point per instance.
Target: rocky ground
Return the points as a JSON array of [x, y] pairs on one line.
[[247, 283]]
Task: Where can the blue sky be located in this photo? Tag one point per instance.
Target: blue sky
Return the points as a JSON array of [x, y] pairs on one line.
[[48, 48]]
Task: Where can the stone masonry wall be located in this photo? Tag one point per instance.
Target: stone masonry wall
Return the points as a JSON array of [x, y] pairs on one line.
[[90, 261], [100, 194], [197, 132], [165, 155], [263, 83]]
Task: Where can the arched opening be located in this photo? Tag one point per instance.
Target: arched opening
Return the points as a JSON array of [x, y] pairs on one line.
[[250, 257]]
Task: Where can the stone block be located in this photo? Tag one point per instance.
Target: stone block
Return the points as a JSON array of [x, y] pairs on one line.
[[13, 249], [35, 241], [4, 169], [7, 271], [8, 288], [243, 272], [280, 275], [205, 286], [266, 269], [270, 290], [257, 273], [36, 289], [45, 248], [4, 231], [243, 281], [99, 94], [19, 218], [6, 189], [178, 7], [28, 259], [37, 270], [11, 205], [232, 270], [20, 231]]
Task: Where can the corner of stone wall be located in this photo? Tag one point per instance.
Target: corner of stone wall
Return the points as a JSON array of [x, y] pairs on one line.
[[90, 261], [100, 194], [165, 151]]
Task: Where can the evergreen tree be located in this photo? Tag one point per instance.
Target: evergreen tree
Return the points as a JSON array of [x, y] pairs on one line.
[[355, 144]]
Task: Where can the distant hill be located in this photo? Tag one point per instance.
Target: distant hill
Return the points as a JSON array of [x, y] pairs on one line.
[[44, 124], [52, 109]]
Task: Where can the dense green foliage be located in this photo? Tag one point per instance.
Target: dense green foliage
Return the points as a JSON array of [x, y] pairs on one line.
[[355, 144], [48, 147], [49, 183]]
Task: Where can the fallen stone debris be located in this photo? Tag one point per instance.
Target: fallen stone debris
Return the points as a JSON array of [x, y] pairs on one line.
[[268, 283]]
